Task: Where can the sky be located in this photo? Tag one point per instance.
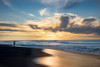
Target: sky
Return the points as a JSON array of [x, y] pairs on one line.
[[49, 19]]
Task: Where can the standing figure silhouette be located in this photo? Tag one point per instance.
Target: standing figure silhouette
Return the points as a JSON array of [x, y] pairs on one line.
[[14, 43]]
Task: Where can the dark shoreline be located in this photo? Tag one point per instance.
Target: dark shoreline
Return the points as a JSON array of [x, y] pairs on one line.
[[11, 56]]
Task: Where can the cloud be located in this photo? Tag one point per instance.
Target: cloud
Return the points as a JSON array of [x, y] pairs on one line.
[[60, 22], [70, 4], [84, 30], [64, 22], [32, 15], [12, 30], [49, 1], [62, 4], [9, 4], [90, 22], [44, 12], [66, 4], [8, 24], [34, 26], [89, 25], [45, 23], [67, 22], [6, 2]]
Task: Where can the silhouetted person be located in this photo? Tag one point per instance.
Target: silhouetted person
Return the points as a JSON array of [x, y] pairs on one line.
[[14, 43]]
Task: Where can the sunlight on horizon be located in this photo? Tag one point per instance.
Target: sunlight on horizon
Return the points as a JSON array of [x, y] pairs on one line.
[[46, 36]]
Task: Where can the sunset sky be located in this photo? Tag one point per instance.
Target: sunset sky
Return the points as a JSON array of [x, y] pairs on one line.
[[49, 19]]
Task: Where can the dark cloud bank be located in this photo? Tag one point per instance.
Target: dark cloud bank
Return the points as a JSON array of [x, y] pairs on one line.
[[86, 26], [8, 24], [11, 27]]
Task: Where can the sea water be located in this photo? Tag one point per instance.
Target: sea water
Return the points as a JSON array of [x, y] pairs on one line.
[[80, 46]]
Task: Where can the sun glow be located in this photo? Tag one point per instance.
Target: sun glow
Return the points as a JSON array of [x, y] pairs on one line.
[[44, 35], [50, 35]]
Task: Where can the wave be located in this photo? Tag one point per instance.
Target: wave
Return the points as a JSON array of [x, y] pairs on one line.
[[81, 46]]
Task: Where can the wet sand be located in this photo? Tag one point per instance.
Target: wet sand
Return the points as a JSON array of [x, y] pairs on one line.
[[68, 59], [11, 56]]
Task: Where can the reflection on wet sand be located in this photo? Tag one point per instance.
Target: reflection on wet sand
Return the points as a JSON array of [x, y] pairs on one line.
[[49, 61], [66, 59]]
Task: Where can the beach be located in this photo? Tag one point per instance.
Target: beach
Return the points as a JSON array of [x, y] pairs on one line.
[[11, 56], [68, 59]]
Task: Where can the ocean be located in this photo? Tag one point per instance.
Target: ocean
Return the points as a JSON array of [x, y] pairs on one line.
[[79, 46]]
